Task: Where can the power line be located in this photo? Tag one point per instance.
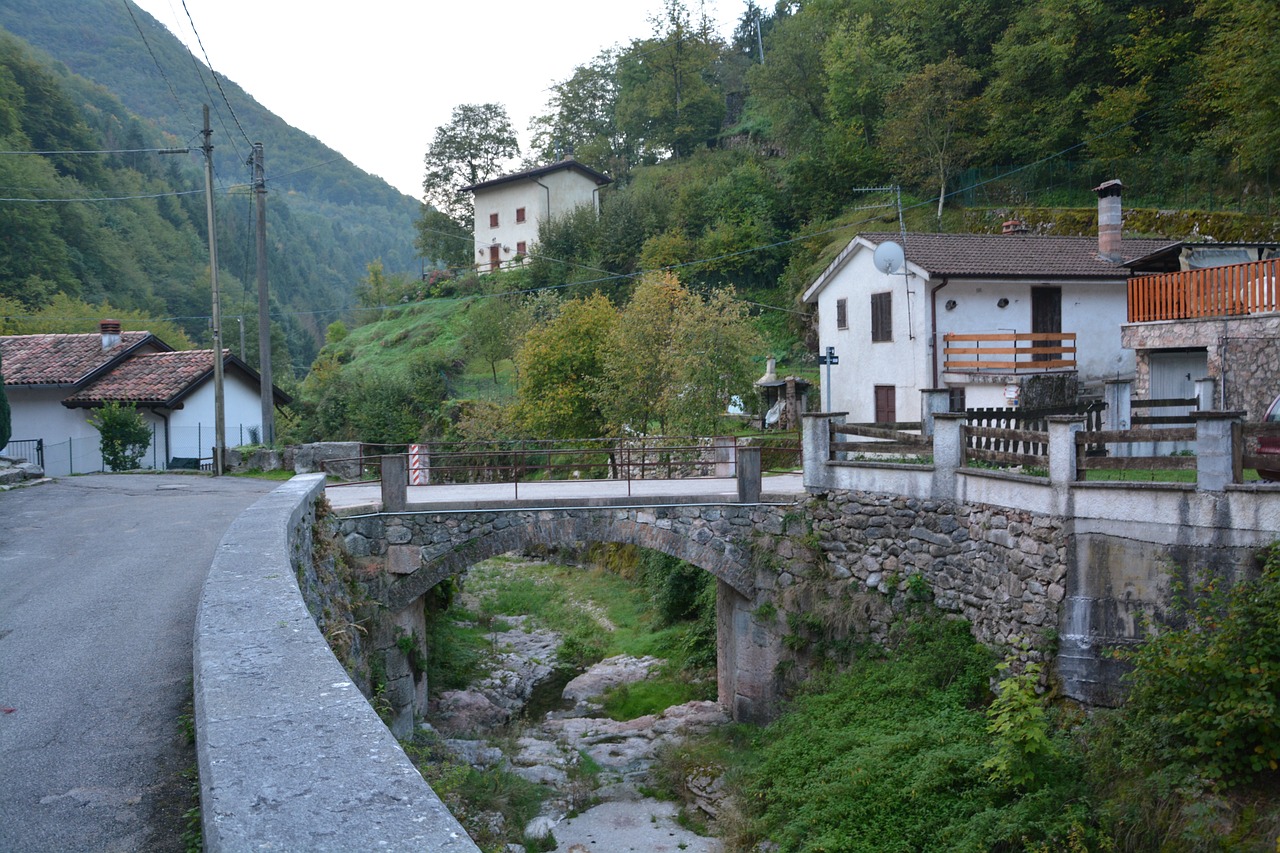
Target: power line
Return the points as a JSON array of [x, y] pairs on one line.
[[216, 81], [154, 60], [101, 151], [104, 198]]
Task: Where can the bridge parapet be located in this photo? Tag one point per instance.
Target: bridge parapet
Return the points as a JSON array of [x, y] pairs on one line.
[[291, 755]]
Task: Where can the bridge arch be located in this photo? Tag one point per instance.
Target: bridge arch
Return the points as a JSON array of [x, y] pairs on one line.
[[424, 549]]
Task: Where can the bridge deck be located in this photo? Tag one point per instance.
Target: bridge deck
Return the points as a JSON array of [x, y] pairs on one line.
[[562, 492]]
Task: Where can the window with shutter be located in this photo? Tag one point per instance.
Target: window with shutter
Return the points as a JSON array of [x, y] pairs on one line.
[[519, 214], [493, 220], [882, 317], [842, 313], [521, 248]]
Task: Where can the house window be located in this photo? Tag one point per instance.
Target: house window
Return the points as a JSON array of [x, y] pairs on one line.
[[519, 214], [842, 313], [882, 316], [493, 220], [521, 247], [886, 404], [955, 399]]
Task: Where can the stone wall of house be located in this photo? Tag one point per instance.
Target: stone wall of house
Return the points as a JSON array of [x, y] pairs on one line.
[[1243, 356]]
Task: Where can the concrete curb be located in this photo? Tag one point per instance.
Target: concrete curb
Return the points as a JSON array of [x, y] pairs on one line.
[[291, 755]]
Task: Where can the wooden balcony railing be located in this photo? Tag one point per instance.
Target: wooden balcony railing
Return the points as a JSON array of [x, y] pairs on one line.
[[1226, 291], [1009, 352]]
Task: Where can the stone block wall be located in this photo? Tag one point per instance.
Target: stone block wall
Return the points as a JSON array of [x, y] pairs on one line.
[[1243, 356], [1002, 569]]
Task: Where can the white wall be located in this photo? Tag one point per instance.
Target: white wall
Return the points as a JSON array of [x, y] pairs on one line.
[[191, 427], [1094, 311], [559, 192], [902, 362]]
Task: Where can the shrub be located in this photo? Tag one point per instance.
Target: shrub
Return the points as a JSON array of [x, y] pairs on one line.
[[1208, 694], [124, 435]]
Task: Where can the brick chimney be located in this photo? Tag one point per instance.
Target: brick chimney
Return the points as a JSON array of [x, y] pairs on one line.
[[1014, 226], [1109, 221], [110, 333]]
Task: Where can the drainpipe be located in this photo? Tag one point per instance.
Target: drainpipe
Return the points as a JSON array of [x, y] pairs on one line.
[[168, 451], [933, 322], [548, 189]]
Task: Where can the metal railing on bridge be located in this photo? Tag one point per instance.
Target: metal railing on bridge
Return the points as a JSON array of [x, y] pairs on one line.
[[538, 461]]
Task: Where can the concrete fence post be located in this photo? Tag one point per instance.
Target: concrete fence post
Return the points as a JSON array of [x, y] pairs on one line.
[[1062, 458], [1117, 394], [932, 401], [723, 446], [1206, 392], [748, 475], [948, 453], [1218, 449], [815, 437], [395, 483]]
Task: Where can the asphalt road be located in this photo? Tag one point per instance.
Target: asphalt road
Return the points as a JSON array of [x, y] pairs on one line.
[[100, 577]]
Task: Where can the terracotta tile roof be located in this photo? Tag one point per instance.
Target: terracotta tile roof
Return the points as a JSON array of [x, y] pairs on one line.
[[158, 378], [64, 359], [1015, 255]]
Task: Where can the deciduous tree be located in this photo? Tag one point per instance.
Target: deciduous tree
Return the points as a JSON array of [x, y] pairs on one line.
[[559, 364], [474, 146]]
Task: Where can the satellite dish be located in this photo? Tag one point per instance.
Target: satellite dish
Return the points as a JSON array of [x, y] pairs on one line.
[[888, 257]]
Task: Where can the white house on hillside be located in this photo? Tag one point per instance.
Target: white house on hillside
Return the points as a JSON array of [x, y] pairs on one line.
[[54, 382], [508, 209], [978, 314]]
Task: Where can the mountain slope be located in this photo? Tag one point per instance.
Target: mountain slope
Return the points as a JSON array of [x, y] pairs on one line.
[[326, 218]]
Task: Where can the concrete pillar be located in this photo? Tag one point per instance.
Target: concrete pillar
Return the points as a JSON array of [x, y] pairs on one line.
[[748, 475], [395, 483], [948, 453], [1062, 458], [1218, 449], [815, 436], [747, 656], [724, 446], [1206, 394], [932, 401]]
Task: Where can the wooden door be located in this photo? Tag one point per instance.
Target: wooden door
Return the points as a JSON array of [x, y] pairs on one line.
[[1046, 316], [886, 404], [495, 259]]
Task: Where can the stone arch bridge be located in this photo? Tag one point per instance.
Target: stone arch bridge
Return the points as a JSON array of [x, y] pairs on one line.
[[740, 544]]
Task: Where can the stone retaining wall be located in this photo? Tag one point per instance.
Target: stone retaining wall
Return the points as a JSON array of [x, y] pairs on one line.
[[291, 755]]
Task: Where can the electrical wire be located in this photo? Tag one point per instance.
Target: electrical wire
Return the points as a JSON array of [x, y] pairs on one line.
[[100, 151], [154, 60], [216, 81]]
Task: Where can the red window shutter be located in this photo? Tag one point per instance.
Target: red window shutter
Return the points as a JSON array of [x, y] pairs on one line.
[[520, 246], [519, 214], [493, 220]]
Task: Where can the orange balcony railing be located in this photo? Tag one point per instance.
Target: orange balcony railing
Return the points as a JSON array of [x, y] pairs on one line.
[[1009, 352], [1231, 290]]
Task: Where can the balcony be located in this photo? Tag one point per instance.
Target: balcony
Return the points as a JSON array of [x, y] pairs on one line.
[[1009, 352], [1228, 291]]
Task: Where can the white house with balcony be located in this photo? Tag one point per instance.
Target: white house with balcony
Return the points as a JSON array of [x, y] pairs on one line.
[[981, 315], [509, 209]]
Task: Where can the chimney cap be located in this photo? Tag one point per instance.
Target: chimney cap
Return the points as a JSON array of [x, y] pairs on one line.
[[1108, 188], [109, 326], [1013, 226]]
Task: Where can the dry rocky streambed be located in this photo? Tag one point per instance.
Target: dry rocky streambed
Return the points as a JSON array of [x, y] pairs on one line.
[[595, 769]]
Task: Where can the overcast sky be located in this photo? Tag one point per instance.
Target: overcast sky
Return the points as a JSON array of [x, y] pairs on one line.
[[374, 78]]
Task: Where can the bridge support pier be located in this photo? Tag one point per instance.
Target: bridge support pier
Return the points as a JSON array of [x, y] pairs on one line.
[[747, 656]]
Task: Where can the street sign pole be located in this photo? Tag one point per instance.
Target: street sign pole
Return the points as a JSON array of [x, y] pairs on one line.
[[829, 359]]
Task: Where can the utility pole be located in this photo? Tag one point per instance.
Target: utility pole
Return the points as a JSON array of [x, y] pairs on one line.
[[219, 416], [264, 321]]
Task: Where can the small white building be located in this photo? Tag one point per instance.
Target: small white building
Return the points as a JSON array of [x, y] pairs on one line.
[[508, 209], [978, 314], [54, 382]]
